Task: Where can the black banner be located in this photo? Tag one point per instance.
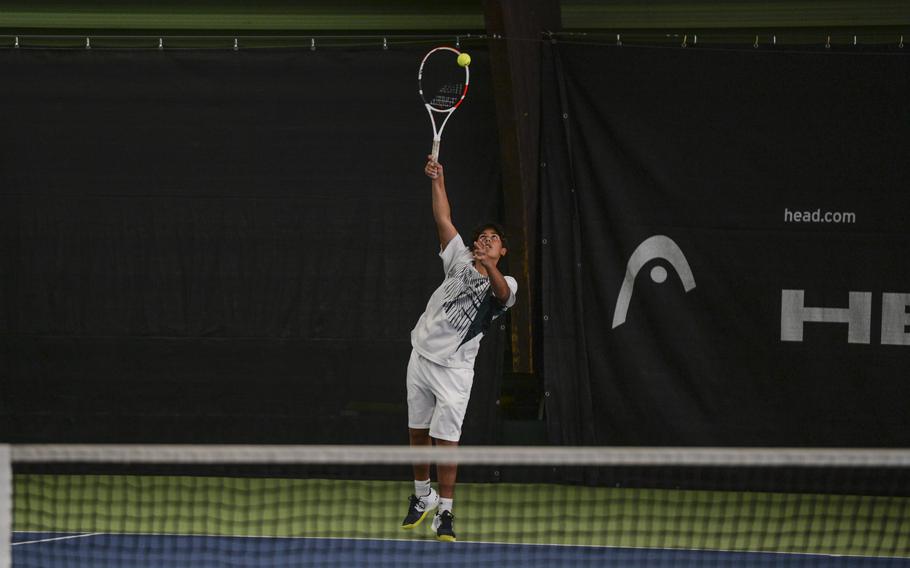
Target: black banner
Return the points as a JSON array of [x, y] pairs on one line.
[[220, 246], [725, 246]]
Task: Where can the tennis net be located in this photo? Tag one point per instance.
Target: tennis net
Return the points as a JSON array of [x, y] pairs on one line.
[[282, 506]]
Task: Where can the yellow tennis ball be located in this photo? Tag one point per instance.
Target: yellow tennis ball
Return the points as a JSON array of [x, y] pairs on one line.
[[464, 59]]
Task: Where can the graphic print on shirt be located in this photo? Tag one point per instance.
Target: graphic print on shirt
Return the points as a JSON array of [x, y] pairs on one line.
[[469, 303]]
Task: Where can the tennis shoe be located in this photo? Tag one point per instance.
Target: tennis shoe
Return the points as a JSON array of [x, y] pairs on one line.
[[444, 525], [419, 508]]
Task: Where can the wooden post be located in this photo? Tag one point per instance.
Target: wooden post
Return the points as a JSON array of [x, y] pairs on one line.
[[515, 28]]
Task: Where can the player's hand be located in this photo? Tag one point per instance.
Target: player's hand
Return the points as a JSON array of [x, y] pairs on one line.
[[433, 169], [481, 252]]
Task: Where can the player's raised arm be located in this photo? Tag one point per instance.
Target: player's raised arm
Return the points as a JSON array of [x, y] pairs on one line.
[[442, 213]]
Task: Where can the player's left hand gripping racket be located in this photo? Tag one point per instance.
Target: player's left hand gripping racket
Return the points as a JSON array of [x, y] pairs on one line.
[[442, 84]]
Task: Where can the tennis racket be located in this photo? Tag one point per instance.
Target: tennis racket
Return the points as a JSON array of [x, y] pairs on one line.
[[442, 85]]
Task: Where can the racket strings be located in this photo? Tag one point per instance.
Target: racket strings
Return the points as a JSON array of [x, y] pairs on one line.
[[447, 95]]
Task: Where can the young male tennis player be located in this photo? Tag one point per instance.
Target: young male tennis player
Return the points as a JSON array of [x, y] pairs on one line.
[[445, 342]]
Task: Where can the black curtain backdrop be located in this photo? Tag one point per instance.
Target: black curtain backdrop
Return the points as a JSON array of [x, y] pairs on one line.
[[207, 246], [711, 159]]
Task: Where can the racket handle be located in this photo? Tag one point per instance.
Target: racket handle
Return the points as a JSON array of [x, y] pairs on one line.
[[435, 151]]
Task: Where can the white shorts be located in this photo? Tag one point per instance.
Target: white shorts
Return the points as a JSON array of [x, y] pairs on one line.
[[437, 397]]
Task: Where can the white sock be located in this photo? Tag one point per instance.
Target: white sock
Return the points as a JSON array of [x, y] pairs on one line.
[[445, 505], [421, 488]]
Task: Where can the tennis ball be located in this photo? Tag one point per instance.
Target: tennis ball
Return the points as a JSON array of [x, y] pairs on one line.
[[464, 59]]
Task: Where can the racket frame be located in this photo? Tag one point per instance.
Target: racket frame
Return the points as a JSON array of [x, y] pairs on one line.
[[431, 110]]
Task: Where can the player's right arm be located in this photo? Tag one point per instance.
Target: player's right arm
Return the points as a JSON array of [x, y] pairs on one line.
[[442, 213]]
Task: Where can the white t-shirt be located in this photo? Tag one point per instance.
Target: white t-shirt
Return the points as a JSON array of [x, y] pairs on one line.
[[459, 311]]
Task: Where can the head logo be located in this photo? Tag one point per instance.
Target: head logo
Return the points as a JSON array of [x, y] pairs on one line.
[[895, 318], [653, 248]]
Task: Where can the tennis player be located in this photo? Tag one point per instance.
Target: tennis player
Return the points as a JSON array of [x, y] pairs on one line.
[[445, 342]]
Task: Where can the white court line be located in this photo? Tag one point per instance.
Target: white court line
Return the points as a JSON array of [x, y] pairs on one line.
[[483, 542], [56, 538]]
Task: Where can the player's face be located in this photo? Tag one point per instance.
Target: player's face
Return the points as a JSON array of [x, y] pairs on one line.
[[491, 243]]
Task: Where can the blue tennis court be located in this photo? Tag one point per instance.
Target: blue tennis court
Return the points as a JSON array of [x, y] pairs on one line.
[[50, 550]]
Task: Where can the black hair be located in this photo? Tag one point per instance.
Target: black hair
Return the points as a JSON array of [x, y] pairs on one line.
[[496, 228]]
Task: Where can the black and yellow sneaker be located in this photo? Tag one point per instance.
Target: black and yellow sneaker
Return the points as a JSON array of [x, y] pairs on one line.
[[444, 525], [419, 508]]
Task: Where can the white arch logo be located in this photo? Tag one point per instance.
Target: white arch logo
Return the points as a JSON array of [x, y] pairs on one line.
[[656, 247]]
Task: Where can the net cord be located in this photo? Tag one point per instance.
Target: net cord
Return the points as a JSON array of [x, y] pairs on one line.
[[477, 455]]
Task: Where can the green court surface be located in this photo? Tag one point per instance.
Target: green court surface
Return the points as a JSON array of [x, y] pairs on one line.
[[504, 512]]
